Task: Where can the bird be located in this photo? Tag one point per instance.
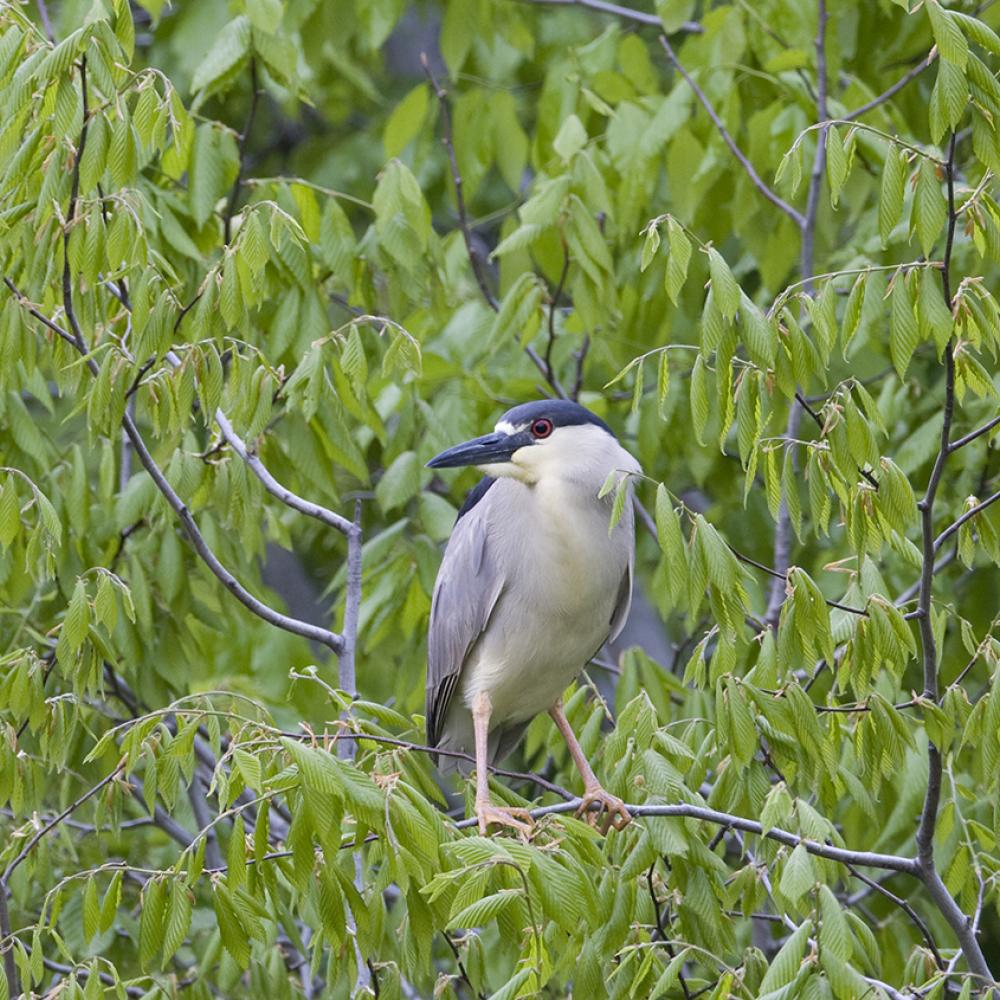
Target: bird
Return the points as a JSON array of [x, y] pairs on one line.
[[533, 581]]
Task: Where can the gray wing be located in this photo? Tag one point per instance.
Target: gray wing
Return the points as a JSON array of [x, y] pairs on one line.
[[624, 600], [468, 587]]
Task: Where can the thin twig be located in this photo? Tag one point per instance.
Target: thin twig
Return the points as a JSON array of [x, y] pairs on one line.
[[748, 167], [926, 869], [475, 260], [967, 516], [74, 196], [581, 357], [783, 540], [973, 435], [48, 827], [462, 971], [553, 306], [905, 906], [275, 488], [894, 89], [447, 140], [866, 859], [43, 14], [227, 219], [626, 13]]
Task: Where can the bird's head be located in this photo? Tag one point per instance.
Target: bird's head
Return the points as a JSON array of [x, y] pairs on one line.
[[556, 439]]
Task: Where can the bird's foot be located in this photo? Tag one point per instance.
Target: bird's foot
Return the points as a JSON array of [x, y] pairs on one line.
[[488, 813], [611, 811]]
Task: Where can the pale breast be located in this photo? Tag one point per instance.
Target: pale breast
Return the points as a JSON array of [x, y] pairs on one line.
[[564, 573]]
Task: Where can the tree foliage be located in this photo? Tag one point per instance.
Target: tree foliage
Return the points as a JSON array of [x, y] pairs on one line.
[[248, 292]]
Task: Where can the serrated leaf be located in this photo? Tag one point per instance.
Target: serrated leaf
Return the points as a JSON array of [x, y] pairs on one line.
[[930, 210], [836, 163], [678, 260], [724, 285], [798, 875], [904, 334], [225, 58], [948, 35], [485, 910], [890, 203], [177, 921], [699, 399]]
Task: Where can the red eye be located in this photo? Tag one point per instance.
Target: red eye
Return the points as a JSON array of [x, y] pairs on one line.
[[541, 428]]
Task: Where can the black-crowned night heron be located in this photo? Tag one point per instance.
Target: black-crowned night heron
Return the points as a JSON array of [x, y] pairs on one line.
[[533, 582]]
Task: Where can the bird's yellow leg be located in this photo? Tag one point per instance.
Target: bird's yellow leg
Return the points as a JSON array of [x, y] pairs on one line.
[[612, 811], [486, 812]]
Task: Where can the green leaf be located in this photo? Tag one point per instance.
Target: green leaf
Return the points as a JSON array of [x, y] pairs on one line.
[[673, 13], [699, 399], [649, 247], [10, 512], [224, 60], [570, 138], [952, 91], [904, 334], [785, 964], [406, 121], [724, 286], [400, 482], [836, 164], [948, 35], [890, 204], [678, 260], [930, 210], [798, 875], [485, 910], [177, 921]]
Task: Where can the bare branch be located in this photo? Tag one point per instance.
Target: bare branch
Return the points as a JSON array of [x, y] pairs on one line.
[[48, 827], [626, 13], [906, 908], [463, 222], [581, 357], [43, 14], [553, 305], [447, 140], [748, 167], [967, 516], [227, 219], [323, 636], [973, 435], [67, 278], [783, 540], [894, 89], [865, 859], [276, 489]]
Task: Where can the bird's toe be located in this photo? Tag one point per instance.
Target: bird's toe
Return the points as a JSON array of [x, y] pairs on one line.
[[487, 813], [611, 811]]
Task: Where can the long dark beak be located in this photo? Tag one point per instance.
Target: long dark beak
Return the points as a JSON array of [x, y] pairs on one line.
[[483, 450]]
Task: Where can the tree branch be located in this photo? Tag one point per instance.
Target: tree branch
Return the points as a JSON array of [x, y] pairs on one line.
[[972, 435], [328, 517], [807, 225], [865, 859], [967, 516], [323, 636], [748, 167], [67, 277], [463, 222], [906, 908], [894, 89], [925, 865], [227, 219], [626, 13]]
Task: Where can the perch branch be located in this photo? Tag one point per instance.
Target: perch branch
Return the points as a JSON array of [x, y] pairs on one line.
[[748, 167]]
